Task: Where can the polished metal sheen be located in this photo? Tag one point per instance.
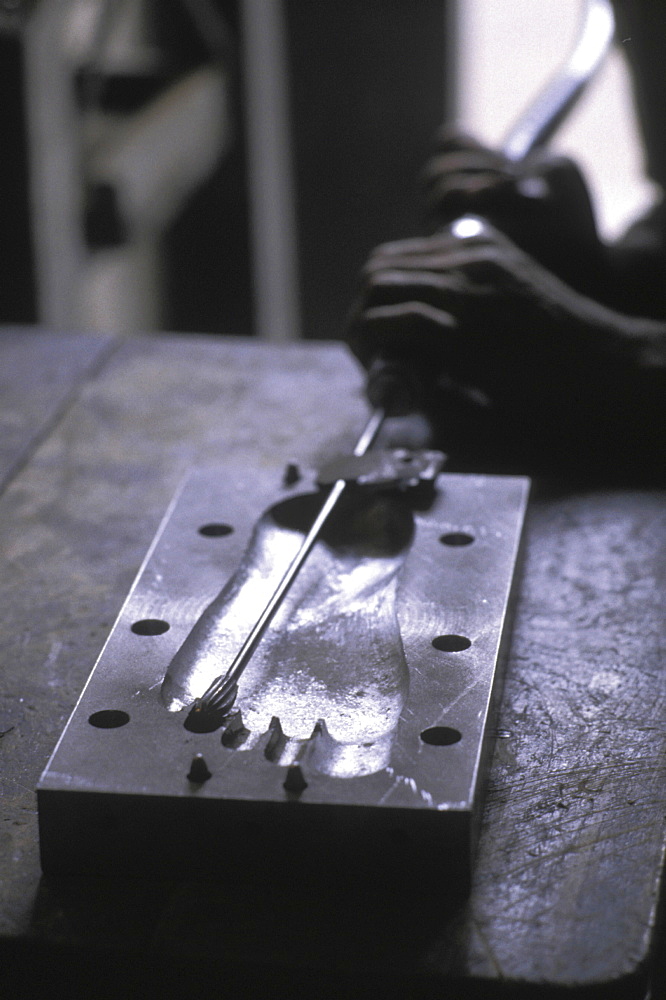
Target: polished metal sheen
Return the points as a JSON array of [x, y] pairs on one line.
[[365, 716]]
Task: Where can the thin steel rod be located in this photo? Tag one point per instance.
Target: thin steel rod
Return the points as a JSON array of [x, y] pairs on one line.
[[223, 688], [537, 124]]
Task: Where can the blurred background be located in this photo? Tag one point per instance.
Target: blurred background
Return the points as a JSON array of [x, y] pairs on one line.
[[225, 166]]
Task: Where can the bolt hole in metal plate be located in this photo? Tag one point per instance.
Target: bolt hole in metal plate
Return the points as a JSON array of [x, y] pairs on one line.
[[150, 626], [364, 718], [109, 718]]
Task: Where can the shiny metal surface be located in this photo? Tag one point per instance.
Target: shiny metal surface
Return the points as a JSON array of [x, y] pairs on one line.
[[368, 706], [221, 693], [334, 650]]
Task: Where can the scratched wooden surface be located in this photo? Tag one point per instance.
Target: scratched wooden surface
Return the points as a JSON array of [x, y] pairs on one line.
[[567, 877]]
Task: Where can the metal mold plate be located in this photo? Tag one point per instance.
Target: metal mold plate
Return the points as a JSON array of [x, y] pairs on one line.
[[116, 795]]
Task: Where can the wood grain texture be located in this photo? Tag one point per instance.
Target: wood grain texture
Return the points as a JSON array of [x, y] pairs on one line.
[[568, 872]]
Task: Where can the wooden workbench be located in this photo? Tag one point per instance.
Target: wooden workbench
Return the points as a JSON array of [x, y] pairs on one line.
[[95, 434]]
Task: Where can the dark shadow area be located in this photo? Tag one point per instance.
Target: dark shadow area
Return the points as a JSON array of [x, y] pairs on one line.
[[313, 925], [367, 96], [16, 252], [181, 939], [208, 270], [367, 525]]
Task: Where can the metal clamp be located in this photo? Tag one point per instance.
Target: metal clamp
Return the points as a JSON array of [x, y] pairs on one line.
[[397, 467]]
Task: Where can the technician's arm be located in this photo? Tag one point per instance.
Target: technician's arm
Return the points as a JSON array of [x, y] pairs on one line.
[[516, 368]]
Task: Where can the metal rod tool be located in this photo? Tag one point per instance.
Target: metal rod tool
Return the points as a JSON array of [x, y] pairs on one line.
[[545, 113], [221, 694]]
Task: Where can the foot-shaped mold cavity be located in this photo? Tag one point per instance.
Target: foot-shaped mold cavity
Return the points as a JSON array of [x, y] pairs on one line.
[[333, 651]]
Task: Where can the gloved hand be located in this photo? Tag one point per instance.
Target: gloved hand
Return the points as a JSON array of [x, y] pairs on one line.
[[517, 368]]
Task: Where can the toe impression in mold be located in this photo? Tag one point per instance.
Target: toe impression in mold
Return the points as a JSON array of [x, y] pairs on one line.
[[331, 668]]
